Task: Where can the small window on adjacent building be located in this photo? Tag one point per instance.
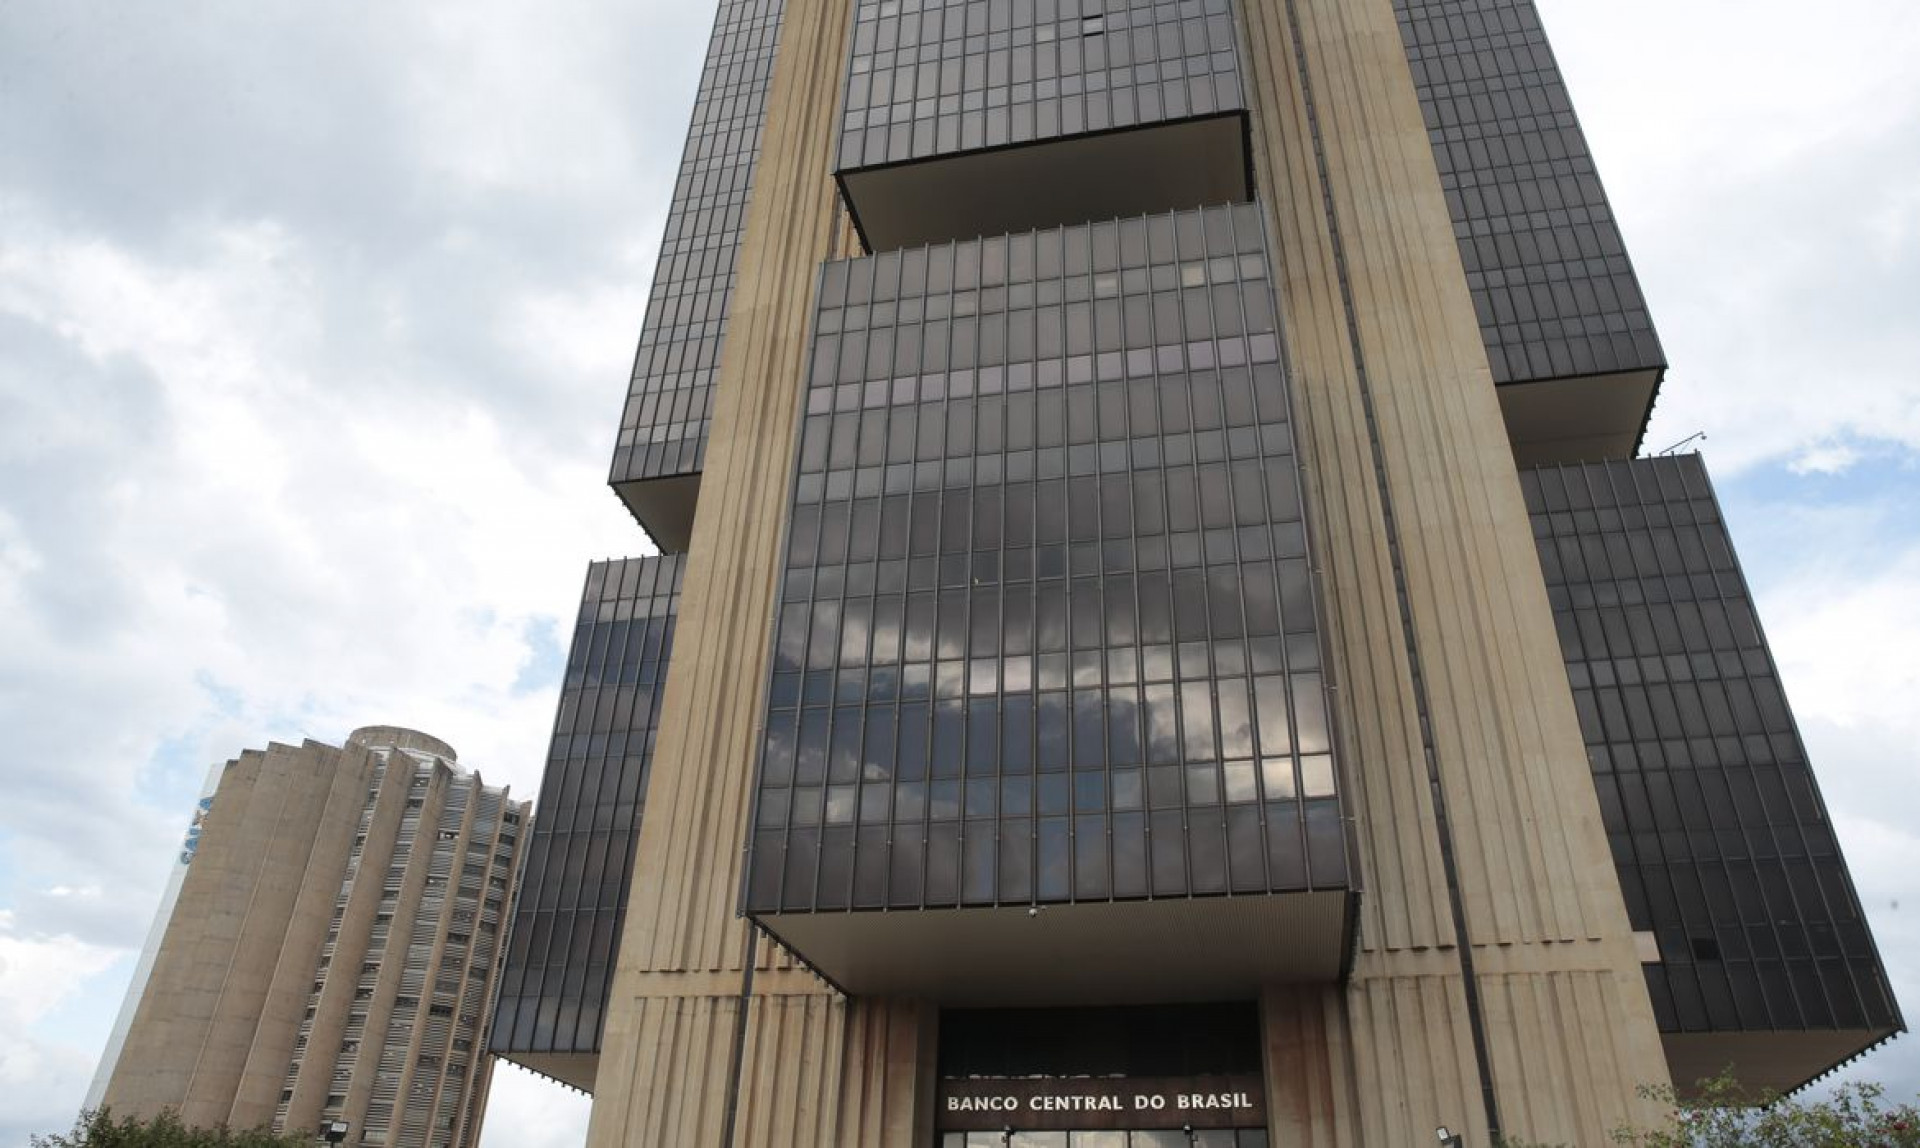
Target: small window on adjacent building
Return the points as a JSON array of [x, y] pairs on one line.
[[1093, 25]]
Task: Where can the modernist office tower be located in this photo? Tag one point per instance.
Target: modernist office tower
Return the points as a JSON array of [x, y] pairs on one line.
[[333, 954], [1114, 695]]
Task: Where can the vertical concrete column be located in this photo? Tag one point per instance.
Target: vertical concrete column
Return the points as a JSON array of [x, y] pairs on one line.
[[679, 1063], [1476, 817]]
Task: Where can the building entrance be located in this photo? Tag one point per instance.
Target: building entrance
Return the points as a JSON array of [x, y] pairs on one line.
[[1111, 1138], [1172, 1076]]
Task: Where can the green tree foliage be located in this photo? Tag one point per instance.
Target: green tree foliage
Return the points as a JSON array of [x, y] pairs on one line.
[[1724, 1115], [98, 1129]]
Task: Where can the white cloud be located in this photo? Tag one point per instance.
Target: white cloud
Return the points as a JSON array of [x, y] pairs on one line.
[[1841, 635], [1763, 166], [39, 974], [283, 456], [525, 1110], [1826, 458]]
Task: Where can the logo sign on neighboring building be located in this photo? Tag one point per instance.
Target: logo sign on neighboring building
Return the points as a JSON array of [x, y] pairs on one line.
[[1101, 1103], [192, 844]]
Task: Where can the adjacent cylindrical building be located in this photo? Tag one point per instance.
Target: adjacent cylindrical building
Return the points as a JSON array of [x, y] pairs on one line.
[[334, 951]]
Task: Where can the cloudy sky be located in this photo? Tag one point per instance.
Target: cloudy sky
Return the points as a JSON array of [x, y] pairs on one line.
[[315, 320]]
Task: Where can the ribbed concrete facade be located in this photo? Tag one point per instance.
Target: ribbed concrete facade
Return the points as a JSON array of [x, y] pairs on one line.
[[334, 951], [1111, 626]]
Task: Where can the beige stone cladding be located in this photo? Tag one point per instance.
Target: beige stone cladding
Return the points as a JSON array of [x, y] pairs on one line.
[[814, 1068], [1435, 604]]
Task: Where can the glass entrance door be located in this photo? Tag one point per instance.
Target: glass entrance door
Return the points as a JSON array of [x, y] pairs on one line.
[[1155, 1138]]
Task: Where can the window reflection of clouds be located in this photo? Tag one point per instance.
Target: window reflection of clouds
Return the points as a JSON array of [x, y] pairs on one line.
[[1089, 562]]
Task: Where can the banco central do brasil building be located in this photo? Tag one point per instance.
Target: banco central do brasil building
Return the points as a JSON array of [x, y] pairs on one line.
[[1162, 633]]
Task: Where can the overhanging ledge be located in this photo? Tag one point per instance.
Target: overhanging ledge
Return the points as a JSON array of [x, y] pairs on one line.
[[1168, 950]]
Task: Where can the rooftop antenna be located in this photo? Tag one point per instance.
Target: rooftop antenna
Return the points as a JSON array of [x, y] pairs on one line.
[[1700, 436]]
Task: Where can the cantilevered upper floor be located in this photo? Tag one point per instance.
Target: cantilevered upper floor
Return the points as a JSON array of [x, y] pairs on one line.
[[1047, 670], [561, 950], [1758, 957], [1568, 334], [996, 116], [662, 443]]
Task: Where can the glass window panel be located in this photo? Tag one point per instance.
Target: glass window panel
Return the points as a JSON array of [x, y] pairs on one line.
[[1286, 846], [1167, 846], [1120, 628], [877, 753], [990, 433], [833, 533], [1204, 395], [1123, 728], [1089, 723], [1206, 851], [862, 533], [1236, 727], [1050, 600], [1162, 726], [1190, 605], [985, 610], [1090, 878], [1156, 621], [956, 523], [1149, 504], [1223, 602], [1309, 715], [983, 738], [1197, 721], [1055, 864], [951, 635], [949, 736], [1316, 776], [843, 754], [920, 626], [1270, 703], [887, 611], [791, 647], [1017, 607], [777, 765], [856, 621], [810, 764], [1088, 622], [911, 761], [1019, 513], [943, 863], [1082, 423], [1016, 859], [1051, 726], [1116, 506], [1296, 596]]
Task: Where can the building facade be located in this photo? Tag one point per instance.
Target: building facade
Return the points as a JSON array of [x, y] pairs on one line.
[[333, 954], [1171, 642]]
